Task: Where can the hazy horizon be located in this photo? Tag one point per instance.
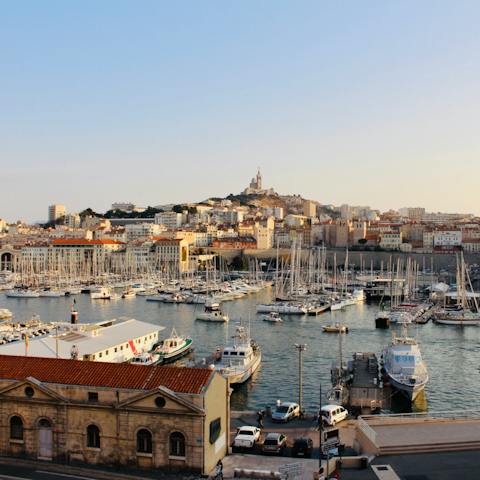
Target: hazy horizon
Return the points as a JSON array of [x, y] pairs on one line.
[[363, 104]]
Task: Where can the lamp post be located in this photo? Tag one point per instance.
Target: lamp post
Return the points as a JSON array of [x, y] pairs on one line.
[[301, 347]]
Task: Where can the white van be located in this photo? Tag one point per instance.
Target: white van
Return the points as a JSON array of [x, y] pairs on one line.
[[332, 414]]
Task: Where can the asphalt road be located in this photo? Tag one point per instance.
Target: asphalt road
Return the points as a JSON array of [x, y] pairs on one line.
[[8, 472]]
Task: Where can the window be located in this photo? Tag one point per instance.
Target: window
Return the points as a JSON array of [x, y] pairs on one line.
[[177, 444], [215, 429], [144, 441], [93, 396], [93, 436], [16, 428], [160, 402], [29, 392]]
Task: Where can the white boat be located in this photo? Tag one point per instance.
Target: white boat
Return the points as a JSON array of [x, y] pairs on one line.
[[22, 293], [103, 293], [47, 292], [129, 293], [146, 358], [5, 313], [212, 316], [404, 365], [281, 307], [273, 317], [336, 305], [461, 318], [239, 360], [173, 347]]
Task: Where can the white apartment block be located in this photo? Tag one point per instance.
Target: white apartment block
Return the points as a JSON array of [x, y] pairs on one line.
[[172, 255], [142, 230], [447, 238], [171, 220], [264, 237]]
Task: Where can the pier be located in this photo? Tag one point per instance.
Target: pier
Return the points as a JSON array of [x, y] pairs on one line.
[[367, 393]]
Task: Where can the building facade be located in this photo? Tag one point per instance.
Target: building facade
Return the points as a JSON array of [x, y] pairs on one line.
[[152, 417]]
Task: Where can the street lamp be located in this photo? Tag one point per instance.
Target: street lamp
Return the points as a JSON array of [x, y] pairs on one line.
[[301, 347]]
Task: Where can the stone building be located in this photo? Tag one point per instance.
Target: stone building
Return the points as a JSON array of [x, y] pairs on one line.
[[151, 417]]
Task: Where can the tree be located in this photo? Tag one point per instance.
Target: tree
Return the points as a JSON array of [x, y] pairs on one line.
[[177, 209]]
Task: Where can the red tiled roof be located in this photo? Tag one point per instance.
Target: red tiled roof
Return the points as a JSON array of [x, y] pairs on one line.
[[102, 374], [84, 241]]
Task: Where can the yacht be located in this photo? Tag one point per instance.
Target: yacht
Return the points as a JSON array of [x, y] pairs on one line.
[[239, 360], [282, 307], [403, 364], [173, 347]]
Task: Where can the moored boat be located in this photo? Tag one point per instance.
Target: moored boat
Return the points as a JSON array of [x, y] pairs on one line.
[[173, 347], [272, 317]]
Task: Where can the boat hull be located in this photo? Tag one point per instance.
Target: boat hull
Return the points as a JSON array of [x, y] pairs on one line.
[[411, 392], [172, 356], [243, 376]]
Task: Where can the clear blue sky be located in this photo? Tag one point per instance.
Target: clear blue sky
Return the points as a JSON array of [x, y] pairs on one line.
[[368, 103]]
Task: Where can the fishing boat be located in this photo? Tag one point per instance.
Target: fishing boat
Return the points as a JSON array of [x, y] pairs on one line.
[[239, 360], [335, 328], [173, 347], [146, 358], [272, 317], [403, 364]]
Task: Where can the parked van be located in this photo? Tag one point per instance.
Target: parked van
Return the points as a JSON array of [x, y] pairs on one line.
[[332, 414]]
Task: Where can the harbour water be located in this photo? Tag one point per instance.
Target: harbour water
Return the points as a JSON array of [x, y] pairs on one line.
[[451, 353]]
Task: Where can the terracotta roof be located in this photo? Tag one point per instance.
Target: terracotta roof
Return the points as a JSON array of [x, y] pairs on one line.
[[102, 374], [84, 241]]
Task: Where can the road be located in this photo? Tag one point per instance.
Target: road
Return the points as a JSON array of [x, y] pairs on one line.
[[10, 472]]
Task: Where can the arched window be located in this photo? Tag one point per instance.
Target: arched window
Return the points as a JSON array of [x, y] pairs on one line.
[[16, 428], [93, 436], [144, 441], [177, 444]]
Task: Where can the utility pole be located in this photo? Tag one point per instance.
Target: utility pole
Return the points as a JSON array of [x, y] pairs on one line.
[[301, 347]]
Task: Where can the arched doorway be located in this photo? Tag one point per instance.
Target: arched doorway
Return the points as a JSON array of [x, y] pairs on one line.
[[45, 439], [6, 261]]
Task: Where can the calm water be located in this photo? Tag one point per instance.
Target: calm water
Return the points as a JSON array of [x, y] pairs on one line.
[[451, 353]]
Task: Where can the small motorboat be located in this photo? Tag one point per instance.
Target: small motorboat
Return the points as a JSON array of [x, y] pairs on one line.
[[129, 293], [272, 317], [336, 328]]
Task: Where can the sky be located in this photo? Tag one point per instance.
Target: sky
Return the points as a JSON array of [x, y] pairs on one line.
[[367, 103]]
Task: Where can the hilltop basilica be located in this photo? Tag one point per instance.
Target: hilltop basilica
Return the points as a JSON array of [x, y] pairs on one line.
[[255, 187]]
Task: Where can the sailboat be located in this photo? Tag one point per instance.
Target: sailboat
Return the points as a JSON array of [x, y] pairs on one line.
[[461, 314]]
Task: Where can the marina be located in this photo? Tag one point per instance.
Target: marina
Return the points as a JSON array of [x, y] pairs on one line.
[[449, 353]]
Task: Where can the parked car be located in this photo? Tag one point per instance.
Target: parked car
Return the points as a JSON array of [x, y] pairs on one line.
[[246, 437], [275, 443], [332, 414], [302, 447], [286, 411]]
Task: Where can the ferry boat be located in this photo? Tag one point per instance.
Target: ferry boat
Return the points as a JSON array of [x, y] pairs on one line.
[[239, 360], [173, 347], [404, 366]]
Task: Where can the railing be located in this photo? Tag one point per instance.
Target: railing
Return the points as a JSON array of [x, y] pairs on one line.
[[473, 414]]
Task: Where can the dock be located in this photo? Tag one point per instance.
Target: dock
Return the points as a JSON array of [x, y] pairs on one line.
[[367, 393], [318, 309]]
